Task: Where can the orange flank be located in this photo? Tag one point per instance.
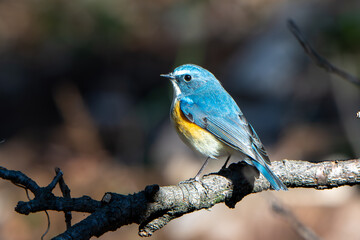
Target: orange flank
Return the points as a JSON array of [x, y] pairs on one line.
[[196, 137], [184, 126]]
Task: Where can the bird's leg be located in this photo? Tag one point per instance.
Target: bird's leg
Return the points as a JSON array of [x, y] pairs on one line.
[[226, 162], [201, 169]]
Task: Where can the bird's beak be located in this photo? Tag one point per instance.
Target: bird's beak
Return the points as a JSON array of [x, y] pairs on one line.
[[169, 75]]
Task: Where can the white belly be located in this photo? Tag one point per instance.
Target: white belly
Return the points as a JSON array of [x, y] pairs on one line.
[[207, 145]]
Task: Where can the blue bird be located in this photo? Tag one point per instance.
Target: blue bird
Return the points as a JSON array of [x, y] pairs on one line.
[[209, 121]]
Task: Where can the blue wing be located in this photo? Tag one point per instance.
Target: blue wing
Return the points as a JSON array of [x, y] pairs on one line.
[[220, 115]]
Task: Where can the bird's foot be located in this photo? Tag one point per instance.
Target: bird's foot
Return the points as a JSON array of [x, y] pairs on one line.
[[191, 180]]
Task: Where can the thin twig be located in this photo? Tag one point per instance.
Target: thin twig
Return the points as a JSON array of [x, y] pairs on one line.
[[279, 207], [26, 190], [319, 60], [48, 226], [55, 181], [65, 190]]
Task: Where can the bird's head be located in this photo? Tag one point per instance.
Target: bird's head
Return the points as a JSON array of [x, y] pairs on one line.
[[188, 78]]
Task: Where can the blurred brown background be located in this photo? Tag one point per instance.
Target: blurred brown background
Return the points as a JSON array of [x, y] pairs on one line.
[[80, 89]]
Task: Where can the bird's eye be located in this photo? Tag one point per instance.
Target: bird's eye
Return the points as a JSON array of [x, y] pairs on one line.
[[187, 77]]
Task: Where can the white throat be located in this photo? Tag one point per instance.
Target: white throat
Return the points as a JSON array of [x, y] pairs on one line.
[[177, 90]]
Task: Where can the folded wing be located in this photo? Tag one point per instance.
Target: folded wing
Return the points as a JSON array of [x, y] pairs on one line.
[[232, 128]]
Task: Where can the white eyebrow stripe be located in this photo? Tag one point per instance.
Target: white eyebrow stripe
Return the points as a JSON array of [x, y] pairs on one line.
[[181, 72]]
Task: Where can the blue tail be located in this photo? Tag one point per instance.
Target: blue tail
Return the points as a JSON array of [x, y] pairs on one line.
[[275, 182]]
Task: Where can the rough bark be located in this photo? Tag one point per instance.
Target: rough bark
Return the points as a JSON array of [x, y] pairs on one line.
[[155, 206]]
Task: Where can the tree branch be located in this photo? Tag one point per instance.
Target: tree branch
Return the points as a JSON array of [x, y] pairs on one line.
[[155, 206], [319, 60]]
